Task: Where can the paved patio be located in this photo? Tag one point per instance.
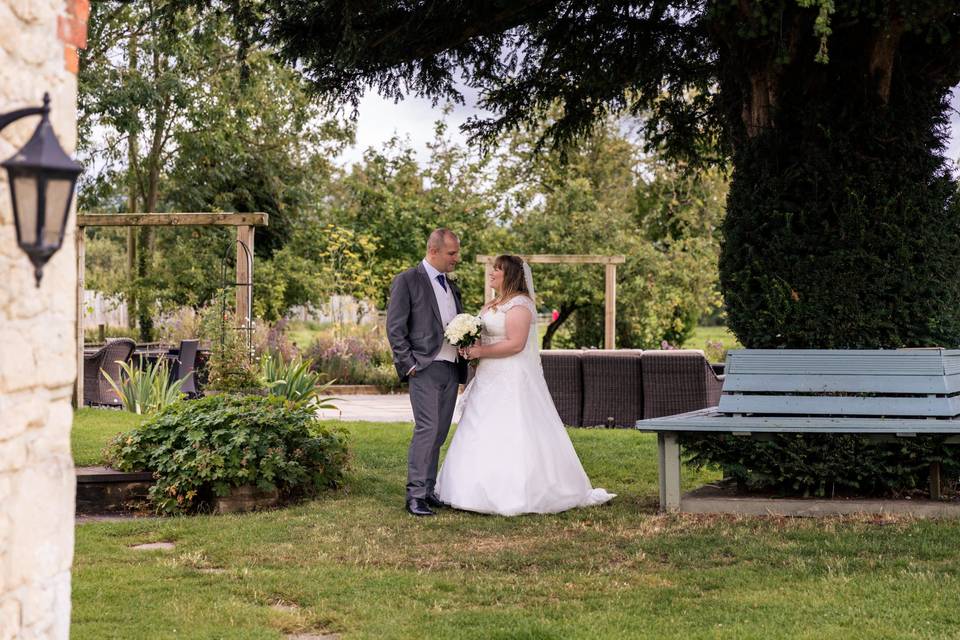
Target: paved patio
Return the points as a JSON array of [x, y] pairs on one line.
[[371, 408]]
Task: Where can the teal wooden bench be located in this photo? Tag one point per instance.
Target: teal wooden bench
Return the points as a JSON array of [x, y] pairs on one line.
[[882, 393]]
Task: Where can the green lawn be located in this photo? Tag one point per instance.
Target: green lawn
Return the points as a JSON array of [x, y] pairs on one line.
[[704, 335], [302, 334], [93, 428], [355, 564]]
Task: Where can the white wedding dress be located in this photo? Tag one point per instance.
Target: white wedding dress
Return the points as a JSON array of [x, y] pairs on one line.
[[511, 453]]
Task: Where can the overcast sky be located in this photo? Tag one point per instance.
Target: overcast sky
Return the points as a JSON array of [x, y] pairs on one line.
[[380, 119]]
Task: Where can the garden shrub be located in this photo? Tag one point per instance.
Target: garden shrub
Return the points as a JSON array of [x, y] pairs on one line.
[[273, 339], [824, 464], [200, 449], [841, 232]]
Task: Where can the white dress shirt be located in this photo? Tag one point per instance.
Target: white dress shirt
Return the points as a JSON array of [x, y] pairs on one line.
[[448, 309]]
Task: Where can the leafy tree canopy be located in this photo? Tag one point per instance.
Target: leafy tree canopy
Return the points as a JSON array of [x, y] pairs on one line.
[[703, 74], [606, 197]]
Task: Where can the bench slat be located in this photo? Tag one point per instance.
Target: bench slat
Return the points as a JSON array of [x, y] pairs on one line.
[[863, 383], [879, 362], [708, 420], [847, 406]]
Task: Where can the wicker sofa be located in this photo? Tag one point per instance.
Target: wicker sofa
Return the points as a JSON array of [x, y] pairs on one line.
[[616, 388]]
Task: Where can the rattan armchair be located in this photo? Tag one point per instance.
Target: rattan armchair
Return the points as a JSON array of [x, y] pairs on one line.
[[96, 389], [678, 381], [563, 371], [184, 365], [612, 393]]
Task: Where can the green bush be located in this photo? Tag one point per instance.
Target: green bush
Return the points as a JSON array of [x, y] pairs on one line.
[[824, 464], [231, 368], [841, 236], [842, 224], [200, 449]]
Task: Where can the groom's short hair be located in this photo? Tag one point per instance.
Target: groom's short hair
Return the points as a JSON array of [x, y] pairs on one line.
[[438, 238]]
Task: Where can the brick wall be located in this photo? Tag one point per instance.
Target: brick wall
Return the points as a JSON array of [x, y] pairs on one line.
[[38, 52]]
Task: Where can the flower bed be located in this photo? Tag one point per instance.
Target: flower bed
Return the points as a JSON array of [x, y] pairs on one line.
[[360, 357]]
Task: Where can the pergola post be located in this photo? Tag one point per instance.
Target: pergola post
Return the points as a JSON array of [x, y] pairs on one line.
[[487, 291], [610, 307], [81, 302], [244, 277], [610, 284]]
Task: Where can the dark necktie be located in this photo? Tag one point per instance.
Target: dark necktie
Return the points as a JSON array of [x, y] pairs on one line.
[[442, 281]]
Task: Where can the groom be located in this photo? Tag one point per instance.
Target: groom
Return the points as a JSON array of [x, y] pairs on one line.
[[422, 302]]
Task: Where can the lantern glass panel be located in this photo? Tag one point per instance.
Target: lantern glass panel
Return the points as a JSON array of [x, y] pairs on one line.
[[57, 202], [25, 192]]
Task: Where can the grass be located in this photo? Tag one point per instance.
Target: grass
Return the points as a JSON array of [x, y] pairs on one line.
[[302, 334], [702, 335], [353, 563], [93, 428]]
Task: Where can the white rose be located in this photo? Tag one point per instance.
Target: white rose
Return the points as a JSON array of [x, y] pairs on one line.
[[463, 330]]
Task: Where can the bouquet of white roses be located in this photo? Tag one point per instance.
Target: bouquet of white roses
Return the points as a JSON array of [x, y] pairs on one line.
[[463, 330]]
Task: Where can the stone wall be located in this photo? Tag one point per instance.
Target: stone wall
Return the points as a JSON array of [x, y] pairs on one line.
[[38, 53]]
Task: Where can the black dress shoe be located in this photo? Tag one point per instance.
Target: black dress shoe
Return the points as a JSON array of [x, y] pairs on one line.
[[419, 507], [435, 502]]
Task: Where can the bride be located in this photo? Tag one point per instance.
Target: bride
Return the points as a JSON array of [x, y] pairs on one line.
[[511, 453]]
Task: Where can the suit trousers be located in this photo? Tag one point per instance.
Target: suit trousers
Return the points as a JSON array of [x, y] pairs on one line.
[[433, 396]]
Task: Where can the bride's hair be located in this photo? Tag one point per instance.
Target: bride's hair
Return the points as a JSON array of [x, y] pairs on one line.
[[514, 283]]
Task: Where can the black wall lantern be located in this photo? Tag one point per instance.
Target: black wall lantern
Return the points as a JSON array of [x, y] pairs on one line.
[[42, 179]]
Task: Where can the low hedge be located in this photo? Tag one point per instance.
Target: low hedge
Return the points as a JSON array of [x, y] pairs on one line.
[[200, 449], [824, 464]]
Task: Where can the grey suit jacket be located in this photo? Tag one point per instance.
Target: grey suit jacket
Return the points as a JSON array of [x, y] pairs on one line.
[[414, 325]]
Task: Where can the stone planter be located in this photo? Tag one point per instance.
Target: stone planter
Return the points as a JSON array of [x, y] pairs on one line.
[[246, 498], [103, 490]]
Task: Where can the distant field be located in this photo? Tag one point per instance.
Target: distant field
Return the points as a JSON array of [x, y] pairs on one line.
[[702, 335], [709, 339]]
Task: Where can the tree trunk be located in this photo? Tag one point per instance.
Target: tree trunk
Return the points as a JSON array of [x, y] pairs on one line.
[[151, 196], [565, 312], [133, 157]]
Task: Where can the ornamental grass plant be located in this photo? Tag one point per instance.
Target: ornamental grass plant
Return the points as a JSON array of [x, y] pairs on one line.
[[294, 381], [146, 390]]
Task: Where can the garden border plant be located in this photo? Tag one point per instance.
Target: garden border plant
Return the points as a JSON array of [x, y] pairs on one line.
[[200, 450]]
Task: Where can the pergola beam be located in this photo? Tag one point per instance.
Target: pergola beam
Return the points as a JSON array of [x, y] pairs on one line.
[[610, 283], [562, 259], [172, 219]]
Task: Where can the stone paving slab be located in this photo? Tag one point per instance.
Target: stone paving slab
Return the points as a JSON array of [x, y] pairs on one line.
[[371, 408], [711, 499]]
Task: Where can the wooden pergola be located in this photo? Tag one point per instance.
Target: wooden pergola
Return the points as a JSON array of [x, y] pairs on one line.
[[610, 284], [244, 222]]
